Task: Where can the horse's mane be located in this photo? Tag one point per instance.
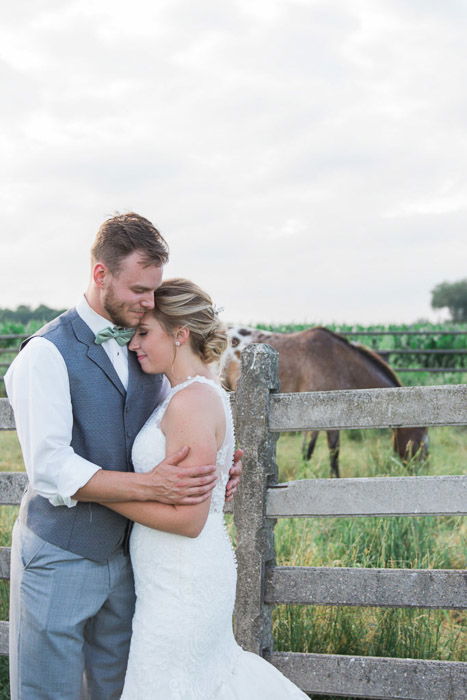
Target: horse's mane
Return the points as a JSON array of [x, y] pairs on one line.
[[369, 354]]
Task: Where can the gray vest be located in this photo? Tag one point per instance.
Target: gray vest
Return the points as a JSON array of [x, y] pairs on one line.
[[106, 420]]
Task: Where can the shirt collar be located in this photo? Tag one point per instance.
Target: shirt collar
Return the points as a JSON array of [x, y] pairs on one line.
[[95, 321]]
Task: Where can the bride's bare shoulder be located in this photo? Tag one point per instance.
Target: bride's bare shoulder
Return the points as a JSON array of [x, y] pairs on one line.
[[196, 397]]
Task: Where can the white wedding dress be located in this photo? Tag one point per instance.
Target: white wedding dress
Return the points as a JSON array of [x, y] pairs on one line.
[[182, 647]]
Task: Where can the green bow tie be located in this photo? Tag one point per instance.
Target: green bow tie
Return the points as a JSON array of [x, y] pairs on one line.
[[121, 335]]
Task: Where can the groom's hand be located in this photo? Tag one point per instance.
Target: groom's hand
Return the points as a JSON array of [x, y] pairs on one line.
[[175, 485], [234, 475]]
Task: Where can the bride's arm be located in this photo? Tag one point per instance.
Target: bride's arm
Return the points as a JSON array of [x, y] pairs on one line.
[[192, 418], [180, 520]]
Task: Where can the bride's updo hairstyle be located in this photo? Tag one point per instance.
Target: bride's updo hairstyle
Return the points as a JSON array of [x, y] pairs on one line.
[[179, 302]]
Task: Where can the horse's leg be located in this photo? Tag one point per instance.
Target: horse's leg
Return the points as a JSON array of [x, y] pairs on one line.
[[333, 444], [308, 447], [304, 444]]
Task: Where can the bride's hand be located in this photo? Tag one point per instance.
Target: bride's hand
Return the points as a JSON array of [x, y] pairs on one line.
[[234, 476], [175, 485]]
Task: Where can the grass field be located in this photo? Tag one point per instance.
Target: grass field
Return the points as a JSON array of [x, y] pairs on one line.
[[360, 542], [372, 542]]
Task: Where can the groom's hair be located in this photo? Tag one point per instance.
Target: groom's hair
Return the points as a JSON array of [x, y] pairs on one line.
[[123, 234]]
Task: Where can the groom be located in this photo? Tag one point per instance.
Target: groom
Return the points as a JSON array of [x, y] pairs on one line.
[[79, 399]]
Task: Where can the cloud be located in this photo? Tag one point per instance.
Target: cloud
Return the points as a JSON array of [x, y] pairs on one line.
[[291, 150]]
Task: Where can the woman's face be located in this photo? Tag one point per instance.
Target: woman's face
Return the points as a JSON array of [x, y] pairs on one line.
[[154, 347]]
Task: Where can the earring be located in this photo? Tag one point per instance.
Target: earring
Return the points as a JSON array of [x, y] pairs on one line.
[[177, 343]]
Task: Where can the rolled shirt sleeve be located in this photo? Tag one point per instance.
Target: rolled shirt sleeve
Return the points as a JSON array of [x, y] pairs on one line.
[[38, 389]]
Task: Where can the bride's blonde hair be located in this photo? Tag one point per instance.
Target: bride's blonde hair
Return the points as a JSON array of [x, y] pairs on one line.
[[180, 302]]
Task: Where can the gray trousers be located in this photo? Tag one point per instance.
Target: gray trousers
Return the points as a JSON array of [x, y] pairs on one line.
[[70, 622]]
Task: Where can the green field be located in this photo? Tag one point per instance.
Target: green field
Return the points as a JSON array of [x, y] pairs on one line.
[[360, 542]]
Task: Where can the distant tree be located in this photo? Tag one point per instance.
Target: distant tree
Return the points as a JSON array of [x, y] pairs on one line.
[[24, 314], [45, 313], [452, 295]]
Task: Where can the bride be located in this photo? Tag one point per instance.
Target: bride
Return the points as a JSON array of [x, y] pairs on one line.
[[182, 646]]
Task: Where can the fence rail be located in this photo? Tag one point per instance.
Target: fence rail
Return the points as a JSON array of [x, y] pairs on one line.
[[410, 351], [21, 336], [7, 420], [260, 414], [431, 370], [14, 336], [369, 497], [369, 408], [397, 333], [374, 677], [12, 486], [393, 588]]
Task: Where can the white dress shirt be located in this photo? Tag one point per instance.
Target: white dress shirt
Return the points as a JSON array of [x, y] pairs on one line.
[[38, 389]]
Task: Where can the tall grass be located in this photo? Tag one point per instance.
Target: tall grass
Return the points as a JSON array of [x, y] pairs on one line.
[[7, 518], [374, 543], [410, 542]]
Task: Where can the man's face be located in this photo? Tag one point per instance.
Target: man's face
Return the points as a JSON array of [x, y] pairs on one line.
[[128, 294]]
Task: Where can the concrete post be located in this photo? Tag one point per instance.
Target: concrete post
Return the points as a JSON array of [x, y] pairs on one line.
[[255, 536]]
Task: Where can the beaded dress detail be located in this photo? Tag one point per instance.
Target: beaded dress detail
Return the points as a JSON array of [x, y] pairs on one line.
[[182, 646]]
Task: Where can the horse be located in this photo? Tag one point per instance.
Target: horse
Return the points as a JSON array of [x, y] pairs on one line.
[[317, 359]]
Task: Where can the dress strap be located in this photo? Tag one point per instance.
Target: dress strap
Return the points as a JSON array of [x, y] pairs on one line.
[[196, 378]]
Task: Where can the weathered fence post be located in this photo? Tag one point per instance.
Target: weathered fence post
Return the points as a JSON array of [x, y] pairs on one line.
[[255, 537]]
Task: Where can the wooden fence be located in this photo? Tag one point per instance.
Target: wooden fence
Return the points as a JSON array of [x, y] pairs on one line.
[[386, 354], [260, 415]]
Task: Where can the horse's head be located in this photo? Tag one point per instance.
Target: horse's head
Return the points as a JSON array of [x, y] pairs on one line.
[[411, 442], [239, 338]]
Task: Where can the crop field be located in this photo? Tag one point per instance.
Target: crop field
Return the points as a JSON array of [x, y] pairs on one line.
[[433, 341], [391, 542]]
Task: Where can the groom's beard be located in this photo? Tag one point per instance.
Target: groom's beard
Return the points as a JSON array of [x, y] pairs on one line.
[[119, 312]]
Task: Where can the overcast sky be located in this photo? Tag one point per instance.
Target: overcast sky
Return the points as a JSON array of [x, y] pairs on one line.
[[305, 160]]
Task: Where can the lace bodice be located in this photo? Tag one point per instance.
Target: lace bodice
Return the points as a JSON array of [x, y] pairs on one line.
[[149, 446]]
